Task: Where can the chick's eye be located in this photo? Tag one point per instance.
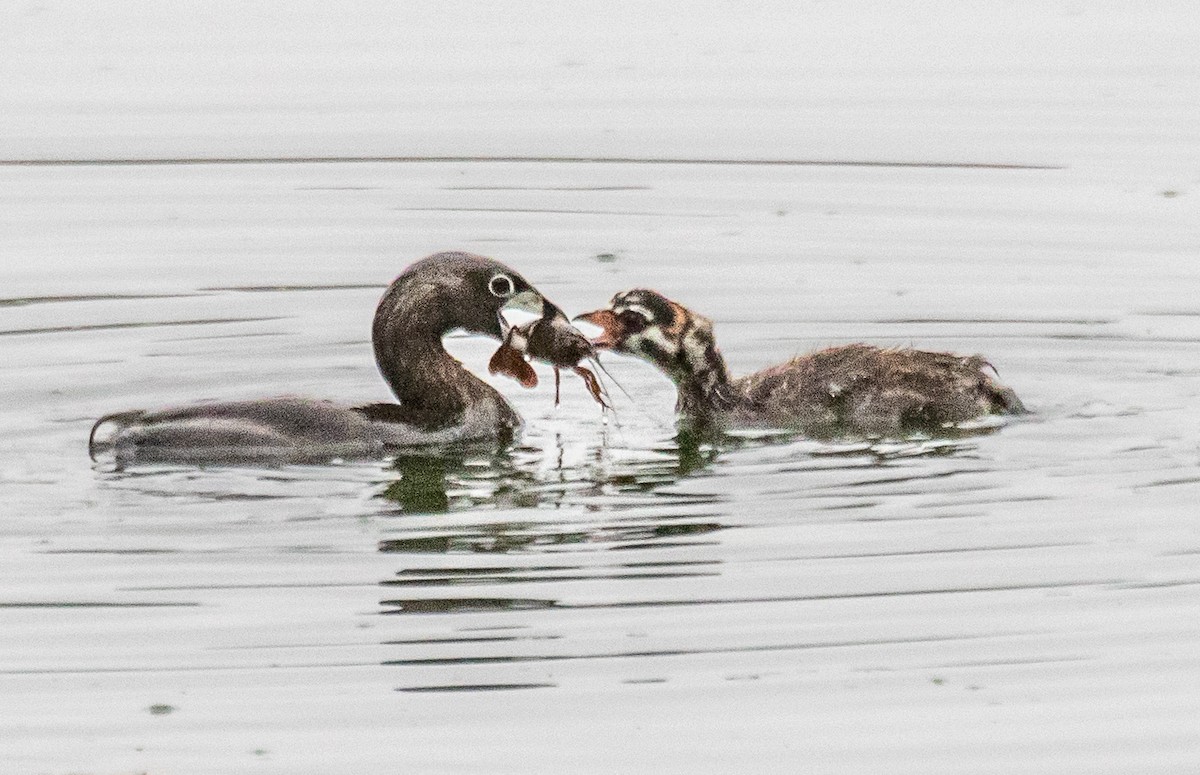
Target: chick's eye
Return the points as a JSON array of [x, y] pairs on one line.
[[632, 321], [502, 286]]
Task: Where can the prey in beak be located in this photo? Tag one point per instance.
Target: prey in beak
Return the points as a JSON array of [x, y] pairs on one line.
[[521, 307], [550, 338]]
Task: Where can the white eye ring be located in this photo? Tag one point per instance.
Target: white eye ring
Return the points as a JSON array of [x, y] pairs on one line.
[[502, 286]]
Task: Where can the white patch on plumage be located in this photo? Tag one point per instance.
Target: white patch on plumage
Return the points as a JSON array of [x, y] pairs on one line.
[[699, 349], [654, 335], [638, 308], [696, 350], [697, 342]]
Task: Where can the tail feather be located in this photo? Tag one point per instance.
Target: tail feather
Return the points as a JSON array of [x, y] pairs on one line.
[[1005, 399], [122, 419]]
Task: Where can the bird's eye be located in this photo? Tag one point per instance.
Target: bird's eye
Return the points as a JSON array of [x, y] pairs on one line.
[[502, 286], [633, 321]]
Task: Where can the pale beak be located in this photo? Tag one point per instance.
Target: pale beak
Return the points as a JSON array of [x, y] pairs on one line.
[[520, 309]]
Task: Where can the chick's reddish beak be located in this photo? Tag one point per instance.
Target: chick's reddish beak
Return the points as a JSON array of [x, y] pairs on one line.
[[611, 334]]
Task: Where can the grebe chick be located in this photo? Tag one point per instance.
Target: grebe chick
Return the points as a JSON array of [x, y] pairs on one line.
[[855, 389], [439, 401]]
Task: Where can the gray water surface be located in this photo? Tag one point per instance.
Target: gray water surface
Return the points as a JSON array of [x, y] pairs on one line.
[[598, 596]]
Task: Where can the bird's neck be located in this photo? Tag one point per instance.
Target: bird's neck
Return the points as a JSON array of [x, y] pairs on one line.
[[434, 390], [701, 378]]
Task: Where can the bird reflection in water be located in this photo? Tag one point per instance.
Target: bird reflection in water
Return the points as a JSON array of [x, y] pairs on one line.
[[465, 477], [547, 511]]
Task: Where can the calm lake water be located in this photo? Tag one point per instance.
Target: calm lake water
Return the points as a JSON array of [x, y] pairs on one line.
[[597, 598], [596, 591]]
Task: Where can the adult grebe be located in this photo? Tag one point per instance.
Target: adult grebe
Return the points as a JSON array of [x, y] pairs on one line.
[[440, 402]]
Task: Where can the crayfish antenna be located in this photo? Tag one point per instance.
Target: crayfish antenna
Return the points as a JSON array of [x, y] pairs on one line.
[[596, 360]]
